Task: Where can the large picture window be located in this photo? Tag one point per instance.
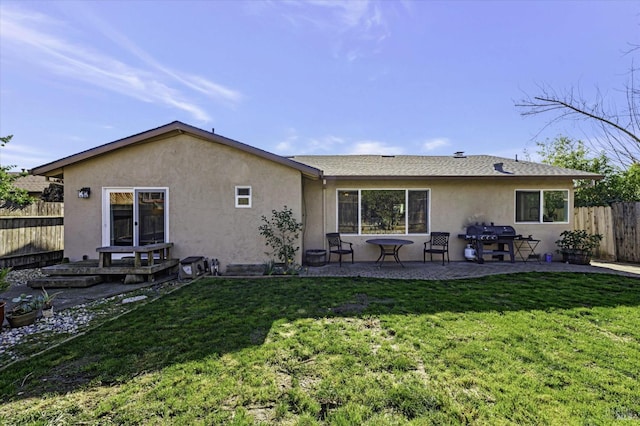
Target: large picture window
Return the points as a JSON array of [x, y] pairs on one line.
[[542, 206], [383, 211]]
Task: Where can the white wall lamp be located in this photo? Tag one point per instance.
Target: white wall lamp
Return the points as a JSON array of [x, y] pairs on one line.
[[84, 192]]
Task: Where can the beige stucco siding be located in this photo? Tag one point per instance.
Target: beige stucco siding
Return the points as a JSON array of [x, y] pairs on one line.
[[314, 213], [200, 177], [453, 204]]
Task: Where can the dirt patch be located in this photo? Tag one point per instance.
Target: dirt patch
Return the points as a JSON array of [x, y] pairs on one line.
[[358, 305], [65, 378]]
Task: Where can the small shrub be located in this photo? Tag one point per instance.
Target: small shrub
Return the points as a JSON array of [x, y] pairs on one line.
[[578, 240], [4, 283], [281, 232]]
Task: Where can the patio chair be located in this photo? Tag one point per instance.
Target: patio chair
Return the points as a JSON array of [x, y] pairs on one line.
[[439, 244], [339, 247]]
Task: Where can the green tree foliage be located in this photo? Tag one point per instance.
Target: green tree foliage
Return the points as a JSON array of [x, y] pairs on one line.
[[8, 192], [617, 185]]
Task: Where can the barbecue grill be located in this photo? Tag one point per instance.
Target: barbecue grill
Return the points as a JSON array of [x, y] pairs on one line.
[[501, 236]]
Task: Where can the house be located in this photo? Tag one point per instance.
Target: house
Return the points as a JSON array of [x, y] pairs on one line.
[[206, 193], [34, 185]]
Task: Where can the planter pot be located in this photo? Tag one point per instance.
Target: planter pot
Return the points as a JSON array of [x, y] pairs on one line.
[[580, 258], [21, 320], [47, 313], [576, 257], [316, 257]]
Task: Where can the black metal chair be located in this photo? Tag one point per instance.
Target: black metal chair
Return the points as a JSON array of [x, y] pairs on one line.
[[337, 246], [439, 244]]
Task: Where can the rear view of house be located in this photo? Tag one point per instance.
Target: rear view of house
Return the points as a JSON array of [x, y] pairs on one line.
[[206, 194]]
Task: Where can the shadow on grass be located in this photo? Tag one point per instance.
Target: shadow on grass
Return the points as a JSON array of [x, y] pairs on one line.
[[216, 316]]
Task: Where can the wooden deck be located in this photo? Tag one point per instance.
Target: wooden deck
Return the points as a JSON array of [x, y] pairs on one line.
[[124, 267], [162, 250]]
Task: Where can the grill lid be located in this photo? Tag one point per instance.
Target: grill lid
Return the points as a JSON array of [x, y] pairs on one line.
[[490, 232]]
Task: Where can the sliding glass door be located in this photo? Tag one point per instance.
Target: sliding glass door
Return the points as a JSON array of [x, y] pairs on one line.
[[133, 216], [150, 216]]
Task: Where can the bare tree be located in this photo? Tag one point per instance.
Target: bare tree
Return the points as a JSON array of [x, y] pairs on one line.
[[620, 128]]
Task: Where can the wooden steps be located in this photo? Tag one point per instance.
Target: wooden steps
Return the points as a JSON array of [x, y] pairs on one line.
[[79, 281]]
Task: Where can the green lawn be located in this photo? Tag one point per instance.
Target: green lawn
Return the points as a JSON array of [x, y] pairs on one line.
[[534, 348]]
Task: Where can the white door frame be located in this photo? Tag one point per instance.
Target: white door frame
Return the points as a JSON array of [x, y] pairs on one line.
[[106, 212]]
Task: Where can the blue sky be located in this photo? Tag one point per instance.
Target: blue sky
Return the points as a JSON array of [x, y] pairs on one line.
[[303, 77]]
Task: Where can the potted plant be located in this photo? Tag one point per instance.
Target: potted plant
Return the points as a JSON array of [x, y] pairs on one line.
[[25, 310], [577, 246], [47, 303]]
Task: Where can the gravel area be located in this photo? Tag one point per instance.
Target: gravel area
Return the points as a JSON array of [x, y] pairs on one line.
[[17, 343]]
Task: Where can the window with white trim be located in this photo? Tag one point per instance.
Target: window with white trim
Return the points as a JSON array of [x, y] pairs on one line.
[[243, 197], [383, 211], [543, 205]]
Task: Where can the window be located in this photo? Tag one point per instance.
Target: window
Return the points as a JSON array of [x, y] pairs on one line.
[[243, 197], [542, 206], [383, 211]]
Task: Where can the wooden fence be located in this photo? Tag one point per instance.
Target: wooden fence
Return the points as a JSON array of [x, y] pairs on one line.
[[31, 236], [619, 226]]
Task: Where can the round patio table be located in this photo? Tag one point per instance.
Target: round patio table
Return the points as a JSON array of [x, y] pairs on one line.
[[389, 247]]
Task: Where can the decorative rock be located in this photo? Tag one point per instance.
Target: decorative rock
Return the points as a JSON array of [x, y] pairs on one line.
[[133, 299], [67, 321]]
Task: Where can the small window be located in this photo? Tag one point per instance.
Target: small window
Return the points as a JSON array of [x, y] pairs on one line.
[[243, 197]]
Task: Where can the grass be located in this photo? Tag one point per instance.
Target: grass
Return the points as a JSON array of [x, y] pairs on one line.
[[517, 349]]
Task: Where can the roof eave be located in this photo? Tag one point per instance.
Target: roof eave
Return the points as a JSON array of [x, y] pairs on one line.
[[56, 168], [461, 177]]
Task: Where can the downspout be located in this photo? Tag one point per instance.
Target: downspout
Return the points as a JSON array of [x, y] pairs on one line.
[[324, 211]]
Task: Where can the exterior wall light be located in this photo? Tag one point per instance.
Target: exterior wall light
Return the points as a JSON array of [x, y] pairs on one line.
[[84, 192]]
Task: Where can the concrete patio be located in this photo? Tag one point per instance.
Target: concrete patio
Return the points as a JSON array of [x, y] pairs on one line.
[[456, 270]]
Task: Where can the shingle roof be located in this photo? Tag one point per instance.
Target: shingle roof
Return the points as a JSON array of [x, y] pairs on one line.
[[411, 166], [33, 184]]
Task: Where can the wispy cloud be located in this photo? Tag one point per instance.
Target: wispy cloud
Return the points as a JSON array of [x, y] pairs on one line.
[[435, 144], [294, 144], [26, 157], [375, 147], [41, 40], [357, 27], [286, 146]]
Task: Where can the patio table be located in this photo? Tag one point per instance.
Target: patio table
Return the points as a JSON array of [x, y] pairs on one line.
[[526, 248], [389, 247]]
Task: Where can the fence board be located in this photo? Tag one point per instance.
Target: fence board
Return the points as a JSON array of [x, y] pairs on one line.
[[626, 220], [619, 226], [598, 220], [33, 234]]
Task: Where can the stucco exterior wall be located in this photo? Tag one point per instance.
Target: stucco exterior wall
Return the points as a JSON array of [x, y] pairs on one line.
[[314, 224], [454, 203], [201, 177]]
